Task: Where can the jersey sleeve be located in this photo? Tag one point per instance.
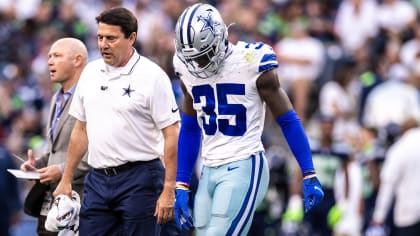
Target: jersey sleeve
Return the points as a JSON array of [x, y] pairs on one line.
[[76, 107], [262, 55], [268, 58]]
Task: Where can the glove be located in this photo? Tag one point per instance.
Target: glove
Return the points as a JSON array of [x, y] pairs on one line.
[[183, 218], [312, 193]]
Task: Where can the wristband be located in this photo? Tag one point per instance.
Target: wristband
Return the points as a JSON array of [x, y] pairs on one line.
[[182, 185], [308, 172]]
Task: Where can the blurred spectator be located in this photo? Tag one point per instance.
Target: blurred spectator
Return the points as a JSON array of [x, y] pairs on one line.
[[160, 44], [396, 17], [229, 10], [384, 66], [336, 99], [410, 50], [153, 22], [301, 59], [69, 24], [10, 202], [247, 21], [6, 106], [370, 155], [371, 75], [86, 10], [320, 20], [271, 26], [355, 23], [348, 196], [395, 69], [399, 179], [21, 9], [9, 30], [415, 74], [391, 102], [416, 3]]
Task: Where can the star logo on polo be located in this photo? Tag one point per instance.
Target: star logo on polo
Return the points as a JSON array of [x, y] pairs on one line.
[[208, 23], [127, 91]]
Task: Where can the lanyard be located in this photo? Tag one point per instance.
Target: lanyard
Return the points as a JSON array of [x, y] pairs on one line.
[[63, 105], [58, 112]]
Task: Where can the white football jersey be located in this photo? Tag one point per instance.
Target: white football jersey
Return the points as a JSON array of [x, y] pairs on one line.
[[229, 109]]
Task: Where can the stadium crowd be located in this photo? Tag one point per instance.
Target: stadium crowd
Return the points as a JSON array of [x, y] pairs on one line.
[[351, 68]]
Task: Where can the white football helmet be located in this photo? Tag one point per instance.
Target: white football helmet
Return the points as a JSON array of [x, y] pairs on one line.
[[201, 39], [64, 215]]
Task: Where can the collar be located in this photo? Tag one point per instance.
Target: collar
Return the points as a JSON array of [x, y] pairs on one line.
[[72, 89], [70, 92], [123, 70]]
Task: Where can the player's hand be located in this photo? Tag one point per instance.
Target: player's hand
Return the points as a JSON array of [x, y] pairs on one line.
[[312, 193], [183, 217]]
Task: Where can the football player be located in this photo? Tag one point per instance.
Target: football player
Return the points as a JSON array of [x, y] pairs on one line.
[[226, 88]]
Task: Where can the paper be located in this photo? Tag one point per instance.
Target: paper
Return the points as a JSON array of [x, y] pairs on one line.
[[24, 174]]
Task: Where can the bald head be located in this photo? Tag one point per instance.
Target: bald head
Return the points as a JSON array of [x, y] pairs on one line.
[[72, 46], [66, 59]]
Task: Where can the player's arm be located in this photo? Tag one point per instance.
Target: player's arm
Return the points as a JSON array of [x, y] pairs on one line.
[[188, 149], [187, 103], [189, 139], [78, 146], [277, 100]]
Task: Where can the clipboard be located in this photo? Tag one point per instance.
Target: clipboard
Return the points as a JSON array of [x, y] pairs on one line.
[[24, 174]]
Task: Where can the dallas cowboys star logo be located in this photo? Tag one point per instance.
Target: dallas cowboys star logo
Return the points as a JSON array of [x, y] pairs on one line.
[[208, 23], [127, 91]]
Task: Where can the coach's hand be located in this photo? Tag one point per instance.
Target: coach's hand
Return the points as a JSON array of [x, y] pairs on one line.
[[183, 217], [312, 193], [165, 205], [63, 187]]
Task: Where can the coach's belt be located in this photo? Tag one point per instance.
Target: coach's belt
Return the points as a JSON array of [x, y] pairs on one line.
[[112, 171]]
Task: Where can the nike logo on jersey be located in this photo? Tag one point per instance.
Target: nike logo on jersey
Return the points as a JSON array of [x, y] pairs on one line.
[[232, 168], [174, 110]]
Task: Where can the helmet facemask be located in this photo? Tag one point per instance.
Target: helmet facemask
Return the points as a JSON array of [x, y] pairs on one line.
[[207, 62]]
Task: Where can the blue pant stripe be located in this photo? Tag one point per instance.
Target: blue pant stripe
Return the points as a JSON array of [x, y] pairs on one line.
[[245, 212]]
